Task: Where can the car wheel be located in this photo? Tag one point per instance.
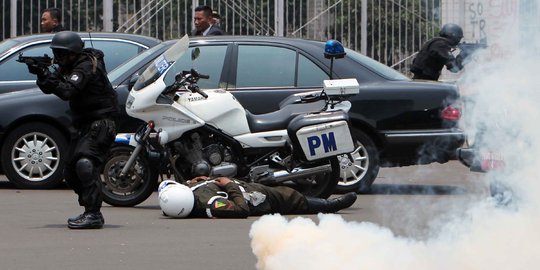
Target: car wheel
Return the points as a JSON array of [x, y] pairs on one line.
[[33, 156], [359, 173]]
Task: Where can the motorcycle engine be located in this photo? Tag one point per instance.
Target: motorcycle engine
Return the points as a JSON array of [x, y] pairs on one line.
[[202, 158]]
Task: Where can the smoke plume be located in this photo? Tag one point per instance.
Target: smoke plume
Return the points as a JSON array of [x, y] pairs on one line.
[[501, 113]]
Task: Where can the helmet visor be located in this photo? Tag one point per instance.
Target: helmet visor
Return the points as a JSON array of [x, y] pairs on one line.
[[60, 53]]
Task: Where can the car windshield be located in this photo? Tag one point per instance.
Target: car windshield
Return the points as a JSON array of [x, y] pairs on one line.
[[162, 63], [376, 66], [6, 45], [120, 70]]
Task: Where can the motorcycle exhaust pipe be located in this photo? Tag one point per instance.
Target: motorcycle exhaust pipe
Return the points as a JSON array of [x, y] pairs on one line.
[[283, 176]]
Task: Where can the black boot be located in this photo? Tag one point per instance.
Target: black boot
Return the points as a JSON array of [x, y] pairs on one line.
[[72, 219], [88, 220], [318, 205]]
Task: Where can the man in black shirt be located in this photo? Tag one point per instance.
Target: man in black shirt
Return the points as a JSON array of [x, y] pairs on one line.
[[82, 80], [437, 53]]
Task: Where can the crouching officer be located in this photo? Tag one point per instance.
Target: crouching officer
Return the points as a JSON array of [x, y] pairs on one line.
[[226, 198], [82, 80], [437, 53]]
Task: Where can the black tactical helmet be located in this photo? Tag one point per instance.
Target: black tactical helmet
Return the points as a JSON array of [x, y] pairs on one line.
[[452, 32], [67, 40]]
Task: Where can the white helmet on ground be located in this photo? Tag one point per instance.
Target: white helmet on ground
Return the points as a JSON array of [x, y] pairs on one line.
[[165, 183], [176, 200]]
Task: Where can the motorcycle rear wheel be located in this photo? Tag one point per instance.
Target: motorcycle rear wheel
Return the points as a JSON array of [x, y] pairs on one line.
[[135, 187], [322, 185]]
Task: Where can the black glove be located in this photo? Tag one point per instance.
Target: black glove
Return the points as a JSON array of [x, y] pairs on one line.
[[47, 82], [464, 57], [460, 60], [35, 69]]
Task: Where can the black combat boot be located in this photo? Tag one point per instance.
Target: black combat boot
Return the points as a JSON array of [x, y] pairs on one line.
[[87, 220], [318, 205]]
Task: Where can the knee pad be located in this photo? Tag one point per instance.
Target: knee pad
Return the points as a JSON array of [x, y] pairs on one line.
[[85, 169]]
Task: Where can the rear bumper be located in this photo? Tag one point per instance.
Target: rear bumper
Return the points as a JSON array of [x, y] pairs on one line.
[[422, 146], [452, 136]]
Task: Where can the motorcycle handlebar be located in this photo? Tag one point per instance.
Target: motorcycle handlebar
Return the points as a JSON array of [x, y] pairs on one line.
[[198, 90], [188, 79]]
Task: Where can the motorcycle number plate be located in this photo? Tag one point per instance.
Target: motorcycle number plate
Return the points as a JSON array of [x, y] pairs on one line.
[[325, 140]]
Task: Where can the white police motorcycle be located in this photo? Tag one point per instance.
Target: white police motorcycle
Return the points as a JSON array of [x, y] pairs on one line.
[[190, 132]]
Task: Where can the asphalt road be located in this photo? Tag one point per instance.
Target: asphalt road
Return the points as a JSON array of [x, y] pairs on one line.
[[34, 235]]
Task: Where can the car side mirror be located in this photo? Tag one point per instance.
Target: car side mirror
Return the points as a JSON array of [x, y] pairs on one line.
[[133, 80], [195, 54]]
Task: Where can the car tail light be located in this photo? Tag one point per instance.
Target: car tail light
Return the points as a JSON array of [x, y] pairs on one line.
[[450, 113]]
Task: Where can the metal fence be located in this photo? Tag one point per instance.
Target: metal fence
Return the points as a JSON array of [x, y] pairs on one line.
[[390, 31]]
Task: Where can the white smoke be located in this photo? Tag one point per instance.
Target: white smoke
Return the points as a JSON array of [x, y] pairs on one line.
[[502, 114]]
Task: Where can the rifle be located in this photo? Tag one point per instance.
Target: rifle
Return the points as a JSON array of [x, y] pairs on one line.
[[39, 61], [37, 64], [467, 49]]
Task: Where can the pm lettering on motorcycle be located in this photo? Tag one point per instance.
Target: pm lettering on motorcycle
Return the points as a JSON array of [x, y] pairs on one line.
[[328, 139]]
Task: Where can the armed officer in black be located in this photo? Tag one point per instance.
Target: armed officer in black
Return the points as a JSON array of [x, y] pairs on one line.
[[82, 80], [437, 53]]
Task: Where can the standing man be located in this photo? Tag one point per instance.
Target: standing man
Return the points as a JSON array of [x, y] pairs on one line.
[[82, 80], [204, 24], [437, 53], [226, 198], [51, 20]]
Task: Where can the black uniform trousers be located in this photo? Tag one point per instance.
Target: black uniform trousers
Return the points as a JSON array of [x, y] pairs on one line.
[[92, 140]]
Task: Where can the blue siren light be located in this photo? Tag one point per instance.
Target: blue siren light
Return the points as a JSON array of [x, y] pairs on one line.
[[334, 49]]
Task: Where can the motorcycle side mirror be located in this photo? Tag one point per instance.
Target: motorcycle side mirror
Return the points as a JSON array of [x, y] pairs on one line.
[[195, 54], [333, 49]]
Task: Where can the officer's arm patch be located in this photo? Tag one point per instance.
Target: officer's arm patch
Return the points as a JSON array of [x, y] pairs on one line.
[[75, 78], [222, 203]]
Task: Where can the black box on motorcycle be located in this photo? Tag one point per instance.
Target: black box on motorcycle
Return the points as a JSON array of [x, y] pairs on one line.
[[321, 135]]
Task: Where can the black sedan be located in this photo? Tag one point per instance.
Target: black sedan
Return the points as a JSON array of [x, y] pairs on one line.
[[396, 121], [118, 48]]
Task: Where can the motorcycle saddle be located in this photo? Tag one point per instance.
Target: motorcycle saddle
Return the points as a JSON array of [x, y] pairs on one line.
[[280, 119]]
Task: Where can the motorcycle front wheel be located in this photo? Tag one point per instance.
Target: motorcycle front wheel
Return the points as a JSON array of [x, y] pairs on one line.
[[132, 189], [320, 185]]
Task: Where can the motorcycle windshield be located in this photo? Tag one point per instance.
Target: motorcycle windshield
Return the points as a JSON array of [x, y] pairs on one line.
[[162, 63]]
